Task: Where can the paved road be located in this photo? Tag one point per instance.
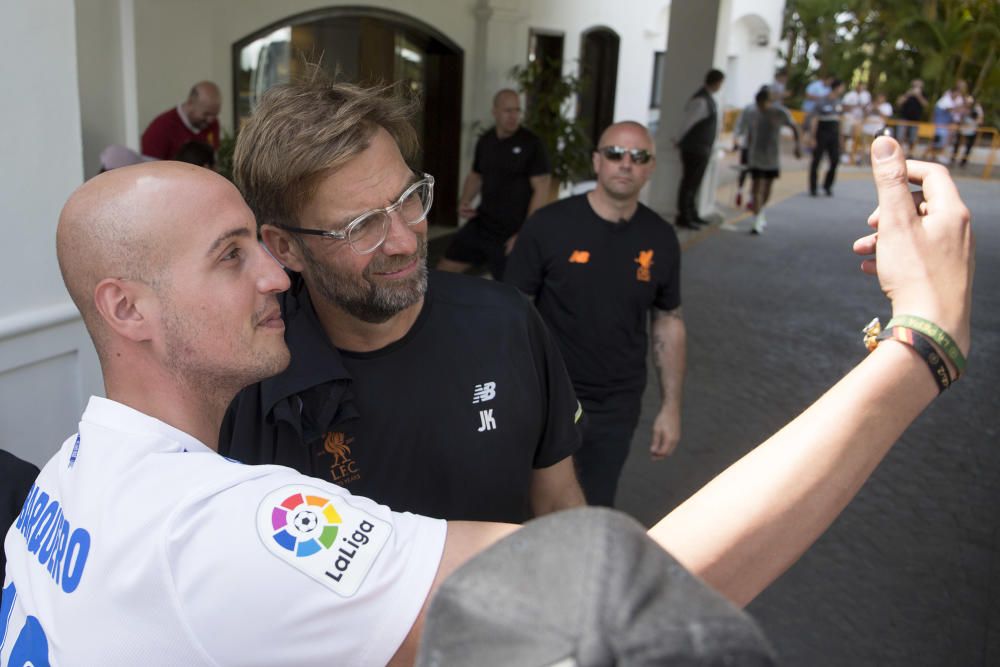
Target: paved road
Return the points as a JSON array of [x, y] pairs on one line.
[[910, 573]]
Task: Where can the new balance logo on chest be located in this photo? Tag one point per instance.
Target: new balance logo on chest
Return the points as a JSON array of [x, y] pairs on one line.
[[482, 393]]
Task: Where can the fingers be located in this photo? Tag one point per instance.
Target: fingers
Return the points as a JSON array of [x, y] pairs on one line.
[[868, 266], [935, 181], [919, 205], [865, 245], [889, 169]]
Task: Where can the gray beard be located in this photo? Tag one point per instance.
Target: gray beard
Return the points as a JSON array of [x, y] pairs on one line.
[[364, 299]]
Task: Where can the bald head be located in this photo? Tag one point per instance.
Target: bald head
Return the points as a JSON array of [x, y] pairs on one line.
[[627, 127], [203, 104], [507, 112], [505, 96], [124, 223]]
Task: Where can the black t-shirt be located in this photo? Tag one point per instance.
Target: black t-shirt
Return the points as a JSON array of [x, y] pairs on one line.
[[450, 421], [506, 165], [594, 283], [911, 109]]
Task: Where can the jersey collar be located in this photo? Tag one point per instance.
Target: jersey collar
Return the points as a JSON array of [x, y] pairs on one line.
[[119, 417]]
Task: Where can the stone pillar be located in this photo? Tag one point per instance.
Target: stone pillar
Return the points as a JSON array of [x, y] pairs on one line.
[[696, 42], [480, 107]]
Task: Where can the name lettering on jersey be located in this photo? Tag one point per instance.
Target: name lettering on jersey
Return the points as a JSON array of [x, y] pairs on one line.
[[486, 421], [484, 392], [327, 539], [579, 257], [645, 262], [61, 549], [343, 469]]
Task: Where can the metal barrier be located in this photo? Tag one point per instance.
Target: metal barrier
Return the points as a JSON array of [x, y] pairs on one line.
[[925, 130]]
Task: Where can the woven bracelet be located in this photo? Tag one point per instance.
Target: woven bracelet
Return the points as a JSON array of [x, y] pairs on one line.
[[923, 347], [936, 334]]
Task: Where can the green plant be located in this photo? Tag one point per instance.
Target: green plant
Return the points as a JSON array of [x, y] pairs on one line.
[[224, 156], [549, 97]]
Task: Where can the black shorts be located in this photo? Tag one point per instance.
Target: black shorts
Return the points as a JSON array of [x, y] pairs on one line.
[[765, 173], [474, 244]]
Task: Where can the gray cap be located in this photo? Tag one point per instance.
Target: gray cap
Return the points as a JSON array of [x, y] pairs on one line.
[[586, 588]]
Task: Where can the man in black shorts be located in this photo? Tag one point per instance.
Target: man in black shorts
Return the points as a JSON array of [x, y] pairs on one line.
[[823, 130], [441, 395], [510, 173], [764, 150], [599, 267]]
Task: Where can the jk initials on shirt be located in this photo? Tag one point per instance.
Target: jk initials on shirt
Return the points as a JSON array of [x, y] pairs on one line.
[[487, 422]]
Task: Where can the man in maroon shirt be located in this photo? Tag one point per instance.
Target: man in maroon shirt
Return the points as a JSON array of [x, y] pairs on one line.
[[196, 119]]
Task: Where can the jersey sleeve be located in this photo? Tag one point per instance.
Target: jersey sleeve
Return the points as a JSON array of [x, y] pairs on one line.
[[539, 160], [668, 291], [561, 437], [525, 268], [279, 568]]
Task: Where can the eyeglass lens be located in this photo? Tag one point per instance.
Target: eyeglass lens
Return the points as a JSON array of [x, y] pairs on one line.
[[616, 153], [369, 233]]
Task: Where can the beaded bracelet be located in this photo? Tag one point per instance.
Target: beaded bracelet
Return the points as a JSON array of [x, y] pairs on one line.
[[923, 347]]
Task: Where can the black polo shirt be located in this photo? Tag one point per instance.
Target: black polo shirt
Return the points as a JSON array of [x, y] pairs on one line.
[[450, 421], [594, 283], [506, 167]]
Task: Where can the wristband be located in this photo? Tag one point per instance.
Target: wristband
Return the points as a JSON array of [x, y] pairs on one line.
[[936, 334], [923, 347]]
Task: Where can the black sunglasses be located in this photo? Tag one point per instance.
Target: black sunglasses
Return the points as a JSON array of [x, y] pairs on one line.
[[616, 153]]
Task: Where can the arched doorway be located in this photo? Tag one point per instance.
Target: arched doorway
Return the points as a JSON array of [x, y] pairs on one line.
[[364, 45], [599, 66]]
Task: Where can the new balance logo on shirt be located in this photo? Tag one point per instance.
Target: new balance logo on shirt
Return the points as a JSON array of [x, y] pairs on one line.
[[484, 392]]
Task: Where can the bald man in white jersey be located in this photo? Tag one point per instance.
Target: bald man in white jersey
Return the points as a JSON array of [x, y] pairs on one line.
[[138, 544]]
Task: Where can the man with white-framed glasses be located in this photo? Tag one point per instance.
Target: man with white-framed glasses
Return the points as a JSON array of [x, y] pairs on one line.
[[600, 267], [433, 393]]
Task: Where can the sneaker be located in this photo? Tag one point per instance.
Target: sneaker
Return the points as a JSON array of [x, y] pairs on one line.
[[828, 191], [759, 224]]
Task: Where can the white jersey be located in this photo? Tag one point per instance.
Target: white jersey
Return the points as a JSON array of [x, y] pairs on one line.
[[138, 545]]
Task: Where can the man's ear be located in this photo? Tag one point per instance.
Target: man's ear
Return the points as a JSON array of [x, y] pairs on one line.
[[281, 246], [595, 156], [125, 306]]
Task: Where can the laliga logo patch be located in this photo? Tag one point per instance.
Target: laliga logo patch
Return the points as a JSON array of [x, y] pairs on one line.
[[328, 540]]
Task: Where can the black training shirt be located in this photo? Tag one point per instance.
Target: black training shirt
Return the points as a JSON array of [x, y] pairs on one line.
[[450, 421], [594, 283], [506, 165]]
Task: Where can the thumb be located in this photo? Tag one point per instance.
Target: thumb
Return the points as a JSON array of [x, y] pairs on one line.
[[889, 169]]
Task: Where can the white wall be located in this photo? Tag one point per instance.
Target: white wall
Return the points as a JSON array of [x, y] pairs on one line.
[[642, 28], [174, 50], [101, 79], [47, 366]]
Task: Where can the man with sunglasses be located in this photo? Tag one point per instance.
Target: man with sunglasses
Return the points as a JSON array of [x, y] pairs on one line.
[[599, 267], [436, 393]]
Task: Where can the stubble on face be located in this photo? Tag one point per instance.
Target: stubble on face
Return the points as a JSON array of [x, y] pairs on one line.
[[363, 296], [194, 355]]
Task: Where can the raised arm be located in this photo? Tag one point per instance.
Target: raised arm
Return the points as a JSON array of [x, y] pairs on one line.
[[748, 525]]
